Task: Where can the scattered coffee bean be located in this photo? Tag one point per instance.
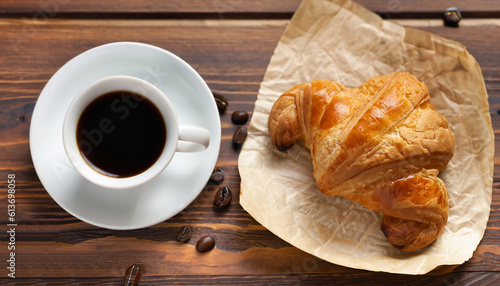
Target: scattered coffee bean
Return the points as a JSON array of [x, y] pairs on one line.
[[21, 118], [452, 16], [221, 102], [217, 176], [205, 244], [239, 117], [223, 197], [239, 137], [184, 234], [132, 276]]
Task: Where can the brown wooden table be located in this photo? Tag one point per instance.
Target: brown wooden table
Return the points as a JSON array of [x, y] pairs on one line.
[[230, 43]]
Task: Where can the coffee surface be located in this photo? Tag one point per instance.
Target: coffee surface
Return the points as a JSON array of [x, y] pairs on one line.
[[121, 134]]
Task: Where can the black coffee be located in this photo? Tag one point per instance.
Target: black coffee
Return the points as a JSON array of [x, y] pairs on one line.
[[121, 134]]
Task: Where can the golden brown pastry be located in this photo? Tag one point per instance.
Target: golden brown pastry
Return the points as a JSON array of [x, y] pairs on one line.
[[381, 144]]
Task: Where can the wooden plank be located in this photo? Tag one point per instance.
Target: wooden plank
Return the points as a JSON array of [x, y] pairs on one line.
[[232, 57], [392, 8], [292, 278]]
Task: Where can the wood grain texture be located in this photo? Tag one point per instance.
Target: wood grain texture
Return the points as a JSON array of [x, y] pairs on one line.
[[57, 249], [388, 8]]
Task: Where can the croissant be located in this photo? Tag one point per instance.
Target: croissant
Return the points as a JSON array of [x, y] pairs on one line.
[[381, 144]]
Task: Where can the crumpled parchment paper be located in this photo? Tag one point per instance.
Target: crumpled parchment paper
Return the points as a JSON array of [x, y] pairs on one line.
[[341, 41]]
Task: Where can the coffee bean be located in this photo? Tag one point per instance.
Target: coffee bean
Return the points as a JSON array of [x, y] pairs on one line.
[[452, 16], [223, 197], [221, 102], [239, 117], [132, 276], [184, 234], [205, 244], [239, 137], [217, 176]]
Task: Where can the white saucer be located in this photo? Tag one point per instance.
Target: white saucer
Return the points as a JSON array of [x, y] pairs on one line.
[[157, 200]]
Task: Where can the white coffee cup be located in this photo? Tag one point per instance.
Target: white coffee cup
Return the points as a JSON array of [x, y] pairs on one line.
[[182, 138]]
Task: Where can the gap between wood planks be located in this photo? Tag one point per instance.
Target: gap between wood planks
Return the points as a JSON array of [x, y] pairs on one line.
[[423, 23]]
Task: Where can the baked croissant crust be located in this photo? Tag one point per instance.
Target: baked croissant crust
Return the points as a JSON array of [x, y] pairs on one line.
[[381, 144]]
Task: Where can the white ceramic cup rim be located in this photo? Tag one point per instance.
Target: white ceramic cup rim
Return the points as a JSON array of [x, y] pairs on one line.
[[120, 83]]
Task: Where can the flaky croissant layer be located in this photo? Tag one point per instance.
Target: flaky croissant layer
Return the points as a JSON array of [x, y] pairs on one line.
[[381, 144]]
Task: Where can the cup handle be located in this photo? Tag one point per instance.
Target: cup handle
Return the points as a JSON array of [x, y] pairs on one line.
[[193, 139]]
